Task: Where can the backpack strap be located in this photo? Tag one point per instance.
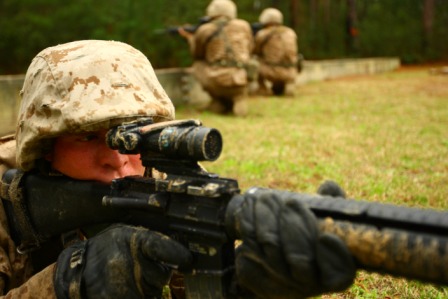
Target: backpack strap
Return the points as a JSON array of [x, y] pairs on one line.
[[229, 60]]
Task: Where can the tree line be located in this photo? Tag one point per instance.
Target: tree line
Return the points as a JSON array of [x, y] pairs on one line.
[[414, 30]]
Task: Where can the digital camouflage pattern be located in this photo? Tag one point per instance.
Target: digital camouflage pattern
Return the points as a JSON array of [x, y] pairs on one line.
[[276, 48], [222, 50], [7, 153], [84, 86], [279, 54]]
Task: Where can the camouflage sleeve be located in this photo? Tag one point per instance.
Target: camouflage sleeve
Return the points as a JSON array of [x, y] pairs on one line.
[[259, 37], [249, 34], [191, 43], [7, 153], [201, 38], [38, 286]]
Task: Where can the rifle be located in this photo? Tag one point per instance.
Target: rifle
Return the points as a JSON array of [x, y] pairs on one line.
[[195, 207], [174, 30], [256, 27]]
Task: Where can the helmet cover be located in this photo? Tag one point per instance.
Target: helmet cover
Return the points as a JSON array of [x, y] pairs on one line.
[[271, 16], [85, 86], [226, 8]]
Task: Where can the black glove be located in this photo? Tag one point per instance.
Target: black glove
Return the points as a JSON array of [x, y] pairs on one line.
[[283, 255], [120, 262]]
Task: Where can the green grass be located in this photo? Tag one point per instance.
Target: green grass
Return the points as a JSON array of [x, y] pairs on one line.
[[384, 138]]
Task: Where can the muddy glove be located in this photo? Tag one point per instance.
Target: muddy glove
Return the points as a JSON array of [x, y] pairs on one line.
[[120, 262], [283, 255]]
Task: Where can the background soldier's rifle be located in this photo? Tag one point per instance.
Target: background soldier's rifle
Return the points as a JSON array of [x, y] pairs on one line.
[[256, 27], [196, 207], [174, 30]]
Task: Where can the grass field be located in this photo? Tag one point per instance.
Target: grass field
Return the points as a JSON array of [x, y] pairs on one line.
[[383, 137]]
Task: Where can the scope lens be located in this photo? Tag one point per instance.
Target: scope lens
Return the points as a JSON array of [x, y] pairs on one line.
[[212, 145]]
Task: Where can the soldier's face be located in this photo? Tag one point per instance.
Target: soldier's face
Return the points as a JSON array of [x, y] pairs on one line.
[[87, 157]]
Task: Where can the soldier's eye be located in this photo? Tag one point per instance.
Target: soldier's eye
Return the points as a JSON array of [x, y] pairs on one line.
[[86, 138]]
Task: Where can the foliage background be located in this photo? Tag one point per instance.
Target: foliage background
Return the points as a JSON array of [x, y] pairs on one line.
[[414, 30]]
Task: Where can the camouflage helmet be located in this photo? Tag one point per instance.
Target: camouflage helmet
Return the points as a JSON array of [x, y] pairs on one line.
[[225, 8], [271, 16], [85, 86]]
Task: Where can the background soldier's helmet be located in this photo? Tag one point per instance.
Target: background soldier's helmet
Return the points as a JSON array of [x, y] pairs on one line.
[[271, 16], [85, 86], [226, 8]]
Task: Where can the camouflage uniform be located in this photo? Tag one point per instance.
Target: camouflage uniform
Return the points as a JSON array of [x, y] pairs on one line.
[[71, 88], [222, 51], [277, 52]]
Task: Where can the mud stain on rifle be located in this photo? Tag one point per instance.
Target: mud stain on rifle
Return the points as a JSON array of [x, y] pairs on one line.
[[367, 244], [400, 252]]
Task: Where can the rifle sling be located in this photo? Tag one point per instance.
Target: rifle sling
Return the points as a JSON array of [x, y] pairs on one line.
[[21, 227]]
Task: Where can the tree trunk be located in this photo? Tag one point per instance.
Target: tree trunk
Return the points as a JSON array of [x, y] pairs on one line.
[[294, 9], [428, 16], [428, 22], [351, 26]]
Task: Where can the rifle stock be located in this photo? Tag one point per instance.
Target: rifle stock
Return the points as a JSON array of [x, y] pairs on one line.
[[196, 208]]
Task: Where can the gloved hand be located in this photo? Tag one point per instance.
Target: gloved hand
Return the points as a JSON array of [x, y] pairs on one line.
[[283, 255], [120, 262]]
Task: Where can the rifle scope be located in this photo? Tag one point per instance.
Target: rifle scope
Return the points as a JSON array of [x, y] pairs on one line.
[[187, 140]]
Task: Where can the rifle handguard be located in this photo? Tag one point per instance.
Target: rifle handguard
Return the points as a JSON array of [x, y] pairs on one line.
[[401, 241]]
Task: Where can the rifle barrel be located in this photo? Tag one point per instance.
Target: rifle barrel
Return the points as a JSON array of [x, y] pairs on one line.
[[384, 238]]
